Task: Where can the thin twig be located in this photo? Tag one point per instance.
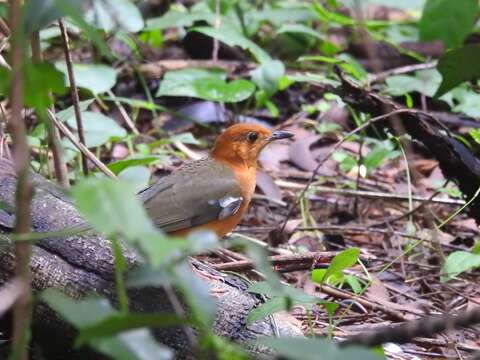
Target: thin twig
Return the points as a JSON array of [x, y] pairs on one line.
[[4, 28], [74, 92], [308, 259], [61, 170], [400, 71], [342, 294], [82, 148], [22, 308], [128, 120]]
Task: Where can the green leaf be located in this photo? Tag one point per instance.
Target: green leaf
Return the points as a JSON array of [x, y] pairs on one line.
[[290, 13], [268, 308], [457, 263], [137, 176], [267, 76], [415, 5], [281, 298], [476, 248], [468, 103], [111, 207], [208, 84], [300, 29], [186, 138], [179, 82], [340, 262], [40, 79], [219, 90], [121, 165], [314, 349], [110, 15], [376, 157], [175, 18], [133, 345], [96, 78], [87, 314], [457, 66], [117, 323], [69, 112], [78, 313], [231, 37], [98, 128], [354, 283], [162, 250], [447, 20], [69, 8], [40, 13]]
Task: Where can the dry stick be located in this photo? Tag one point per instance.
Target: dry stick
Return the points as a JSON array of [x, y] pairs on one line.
[[23, 194], [330, 153], [74, 92], [61, 170], [4, 28], [82, 148], [341, 294], [309, 259], [401, 70], [128, 120], [424, 327]]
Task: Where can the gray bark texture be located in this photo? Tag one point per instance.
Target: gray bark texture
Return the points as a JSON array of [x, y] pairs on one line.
[[83, 264]]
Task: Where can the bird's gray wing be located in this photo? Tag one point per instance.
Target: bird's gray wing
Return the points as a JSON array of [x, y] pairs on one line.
[[198, 193]]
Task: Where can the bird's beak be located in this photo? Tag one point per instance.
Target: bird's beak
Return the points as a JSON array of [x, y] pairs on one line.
[[278, 135]]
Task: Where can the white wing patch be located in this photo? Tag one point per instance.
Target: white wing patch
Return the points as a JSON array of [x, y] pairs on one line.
[[229, 205]]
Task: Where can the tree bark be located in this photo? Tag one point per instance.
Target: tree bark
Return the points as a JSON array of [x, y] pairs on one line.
[[83, 264]]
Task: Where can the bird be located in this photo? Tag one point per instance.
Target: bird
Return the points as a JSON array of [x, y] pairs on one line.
[[212, 193]]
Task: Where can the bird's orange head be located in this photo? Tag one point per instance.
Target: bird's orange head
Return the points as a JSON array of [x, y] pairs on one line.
[[241, 144]]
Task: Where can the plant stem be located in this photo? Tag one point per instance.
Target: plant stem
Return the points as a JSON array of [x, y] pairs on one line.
[[22, 308], [74, 92]]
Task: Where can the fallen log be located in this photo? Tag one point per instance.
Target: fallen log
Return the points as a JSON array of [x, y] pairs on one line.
[[83, 264]]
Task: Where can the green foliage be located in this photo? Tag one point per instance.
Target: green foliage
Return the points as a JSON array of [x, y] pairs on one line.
[[177, 18], [96, 78], [340, 262], [98, 199], [457, 66], [459, 262], [40, 80], [207, 84], [310, 349], [231, 37], [98, 128], [114, 15], [447, 20], [280, 298], [95, 315]]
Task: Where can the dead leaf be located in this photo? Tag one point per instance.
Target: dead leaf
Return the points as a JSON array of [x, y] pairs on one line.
[[300, 153], [273, 155], [267, 185]]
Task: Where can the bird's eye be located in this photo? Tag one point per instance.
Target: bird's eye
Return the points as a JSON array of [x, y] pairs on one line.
[[252, 137]]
